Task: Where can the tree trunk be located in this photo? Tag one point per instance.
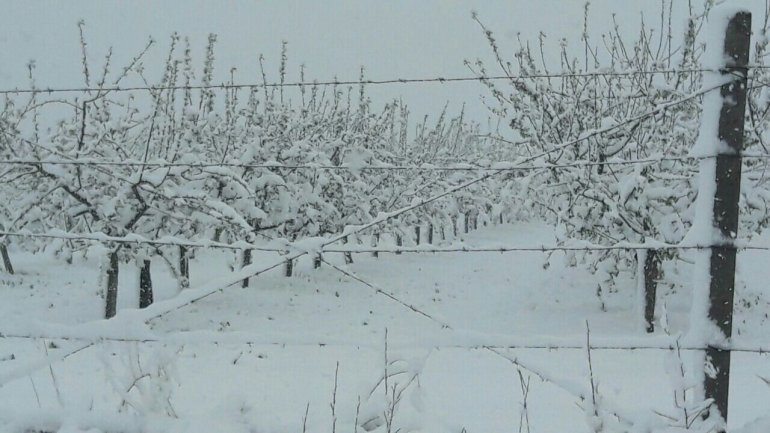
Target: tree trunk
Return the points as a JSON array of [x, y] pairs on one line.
[[184, 268], [348, 255], [467, 222], [289, 268], [399, 242], [246, 262], [652, 274], [430, 233], [111, 294], [375, 244], [6, 259], [417, 235], [145, 285], [454, 226]]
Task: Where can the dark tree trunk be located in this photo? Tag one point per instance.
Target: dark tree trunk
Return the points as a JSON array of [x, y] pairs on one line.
[[348, 255], [467, 222], [454, 226], [145, 285], [184, 268], [652, 274], [417, 235], [375, 244], [430, 233], [6, 259], [399, 242], [246, 262], [501, 218], [111, 295], [289, 268]]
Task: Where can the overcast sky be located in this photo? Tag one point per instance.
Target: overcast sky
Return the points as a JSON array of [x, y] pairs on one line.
[[390, 38]]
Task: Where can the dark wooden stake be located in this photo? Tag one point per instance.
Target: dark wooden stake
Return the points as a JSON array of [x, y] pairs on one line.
[[725, 210], [111, 295], [145, 285], [6, 259]]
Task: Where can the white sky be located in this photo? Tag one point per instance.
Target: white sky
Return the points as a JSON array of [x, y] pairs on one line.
[[391, 38]]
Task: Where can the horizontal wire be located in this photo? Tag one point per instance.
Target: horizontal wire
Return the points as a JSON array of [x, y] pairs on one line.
[[363, 82], [427, 168], [394, 250], [182, 341]]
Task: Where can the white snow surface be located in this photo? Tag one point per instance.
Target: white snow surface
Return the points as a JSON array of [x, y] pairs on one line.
[[256, 359]]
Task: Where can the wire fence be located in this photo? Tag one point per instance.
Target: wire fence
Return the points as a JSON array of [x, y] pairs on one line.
[[294, 251]]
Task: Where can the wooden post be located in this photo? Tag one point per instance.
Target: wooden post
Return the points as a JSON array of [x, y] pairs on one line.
[[246, 262], [145, 285], [6, 259], [725, 206], [111, 295], [289, 268], [184, 267]]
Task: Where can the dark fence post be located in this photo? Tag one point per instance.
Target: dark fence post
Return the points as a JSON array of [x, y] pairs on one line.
[[725, 206], [6, 259], [145, 285]]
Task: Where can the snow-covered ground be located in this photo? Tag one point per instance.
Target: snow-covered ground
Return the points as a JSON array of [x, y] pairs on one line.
[[266, 358]]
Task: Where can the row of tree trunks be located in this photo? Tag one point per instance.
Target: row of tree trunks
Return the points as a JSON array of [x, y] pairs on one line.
[[146, 296]]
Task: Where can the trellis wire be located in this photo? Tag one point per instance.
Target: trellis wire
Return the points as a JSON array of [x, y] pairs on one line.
[[590, 74], [137, 240], [310, 166], [225, 341]]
